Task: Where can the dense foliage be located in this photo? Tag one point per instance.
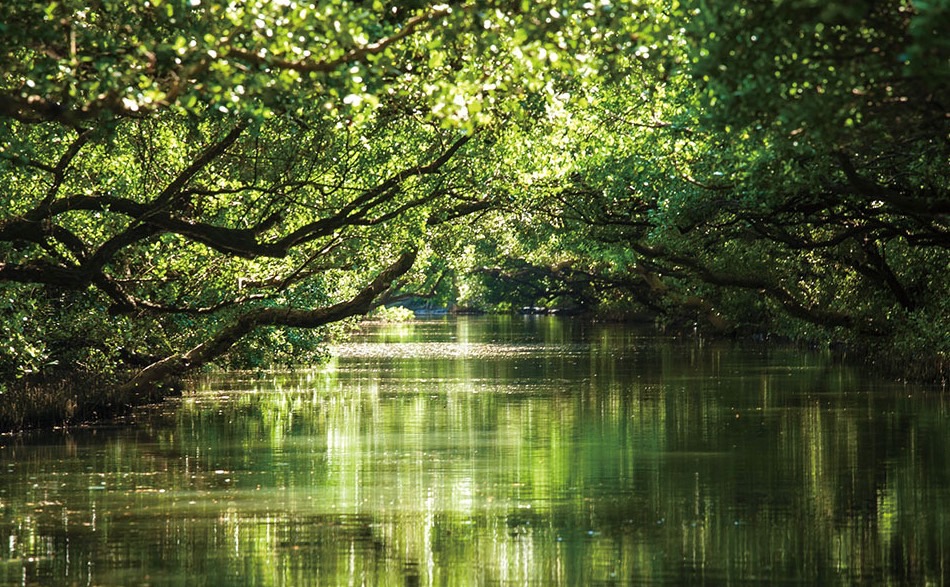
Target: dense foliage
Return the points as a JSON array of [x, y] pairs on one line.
[[785, 173], [196, 182]]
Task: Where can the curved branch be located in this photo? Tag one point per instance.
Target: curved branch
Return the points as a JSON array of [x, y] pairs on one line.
[[174, 189], [34, 109], [156, 217], [180, 363], [367, 200], [789, 302], [59, 172], [162, 309]]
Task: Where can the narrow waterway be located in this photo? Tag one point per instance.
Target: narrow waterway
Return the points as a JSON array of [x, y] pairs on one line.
[[497, 451]]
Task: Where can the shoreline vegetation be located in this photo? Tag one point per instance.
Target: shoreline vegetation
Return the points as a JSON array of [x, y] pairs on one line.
[[69, 399]]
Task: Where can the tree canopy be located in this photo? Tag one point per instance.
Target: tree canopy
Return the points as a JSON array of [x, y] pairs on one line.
[[189, 182], [785, 173]]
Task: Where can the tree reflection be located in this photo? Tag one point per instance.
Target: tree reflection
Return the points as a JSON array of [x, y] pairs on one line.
[[577, 454]]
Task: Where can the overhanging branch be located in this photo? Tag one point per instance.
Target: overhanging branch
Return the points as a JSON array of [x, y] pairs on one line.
[[180, 363]]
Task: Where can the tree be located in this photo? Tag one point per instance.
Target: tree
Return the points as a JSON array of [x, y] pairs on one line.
[[831, 136], [192, 182], [783, 170], [180, 178]]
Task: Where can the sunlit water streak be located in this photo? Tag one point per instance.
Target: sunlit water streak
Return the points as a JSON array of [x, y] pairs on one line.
[[497, 451], [454, 350]]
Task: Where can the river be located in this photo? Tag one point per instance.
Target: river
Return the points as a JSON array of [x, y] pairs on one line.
[[497, 451]]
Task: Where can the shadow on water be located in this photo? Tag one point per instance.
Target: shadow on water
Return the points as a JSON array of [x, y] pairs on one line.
[[529, 451]]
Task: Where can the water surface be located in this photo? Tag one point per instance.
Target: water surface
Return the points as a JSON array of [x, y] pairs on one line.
[[497, 451]]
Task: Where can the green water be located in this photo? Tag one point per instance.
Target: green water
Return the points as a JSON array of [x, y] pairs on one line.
[[498, 451]]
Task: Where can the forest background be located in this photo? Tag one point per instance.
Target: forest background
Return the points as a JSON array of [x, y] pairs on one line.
[[194, 183]]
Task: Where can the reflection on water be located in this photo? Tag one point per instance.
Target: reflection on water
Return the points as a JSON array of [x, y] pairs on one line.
[[517, 451]]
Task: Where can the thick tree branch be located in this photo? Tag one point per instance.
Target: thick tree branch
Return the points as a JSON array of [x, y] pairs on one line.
[[180, 363], [34, 108], [158, 216], [789, 302]]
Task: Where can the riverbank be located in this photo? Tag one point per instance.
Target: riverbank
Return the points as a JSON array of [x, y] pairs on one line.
[[68, 399]]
